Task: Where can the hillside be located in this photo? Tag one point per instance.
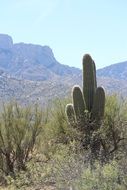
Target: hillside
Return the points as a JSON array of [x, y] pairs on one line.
[[27, 91], [117, 71], [114, 78]]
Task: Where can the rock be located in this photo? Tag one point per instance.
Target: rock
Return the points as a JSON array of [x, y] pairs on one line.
[[6, 42]]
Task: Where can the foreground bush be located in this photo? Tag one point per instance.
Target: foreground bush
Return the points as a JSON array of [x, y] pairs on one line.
[[66, 170], [72, 173], [114, 128], [19, 129]]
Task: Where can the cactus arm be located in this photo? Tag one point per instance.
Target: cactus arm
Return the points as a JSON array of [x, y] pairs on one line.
[[78, 102], [99, 104], [70, 113]]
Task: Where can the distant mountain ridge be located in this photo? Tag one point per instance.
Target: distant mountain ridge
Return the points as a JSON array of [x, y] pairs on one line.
[[30, 62], [30, 73], [116, 71]]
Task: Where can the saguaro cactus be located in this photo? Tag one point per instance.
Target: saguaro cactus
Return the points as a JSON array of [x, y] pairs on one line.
[[90, 100]]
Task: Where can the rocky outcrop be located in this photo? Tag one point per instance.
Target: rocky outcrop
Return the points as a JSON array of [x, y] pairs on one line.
[[6, 42]]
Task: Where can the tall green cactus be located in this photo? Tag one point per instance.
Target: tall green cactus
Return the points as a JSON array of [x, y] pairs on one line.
[[91, 100]]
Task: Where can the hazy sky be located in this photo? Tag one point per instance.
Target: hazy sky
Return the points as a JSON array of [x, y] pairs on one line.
[[70, 27]]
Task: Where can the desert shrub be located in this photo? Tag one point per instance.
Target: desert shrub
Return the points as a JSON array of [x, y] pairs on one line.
[[66, 170], [61, 171], [37, 176], [56, 131], [69, 171], [106, 178], [19, 129], [114, 129]]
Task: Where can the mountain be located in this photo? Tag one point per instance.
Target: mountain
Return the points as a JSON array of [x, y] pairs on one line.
[[117, 71], [114, 78], [30, 73], [30, 62]]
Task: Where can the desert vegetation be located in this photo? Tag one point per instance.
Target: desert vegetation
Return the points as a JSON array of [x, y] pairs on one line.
[[77, 146]]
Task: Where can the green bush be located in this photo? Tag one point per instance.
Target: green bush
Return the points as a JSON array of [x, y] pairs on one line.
[[56, 131], [19, 129], [114, 128]]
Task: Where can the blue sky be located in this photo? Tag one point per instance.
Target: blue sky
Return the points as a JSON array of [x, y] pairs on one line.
[[70, 27]]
